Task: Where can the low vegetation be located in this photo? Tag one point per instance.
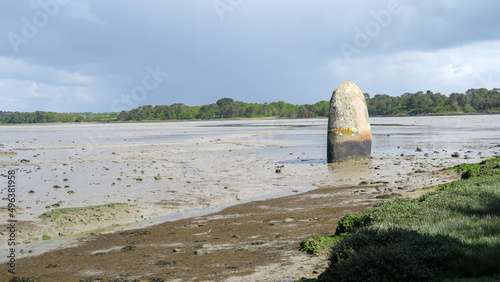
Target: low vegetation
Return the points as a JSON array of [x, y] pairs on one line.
[[450, 233]]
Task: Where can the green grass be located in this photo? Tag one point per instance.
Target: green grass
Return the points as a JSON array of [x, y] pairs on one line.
[[320, 244], [451, 233], [46, 237]]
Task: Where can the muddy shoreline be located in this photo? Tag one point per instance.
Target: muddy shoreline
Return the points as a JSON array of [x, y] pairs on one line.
[[255, 241], [173, 174]]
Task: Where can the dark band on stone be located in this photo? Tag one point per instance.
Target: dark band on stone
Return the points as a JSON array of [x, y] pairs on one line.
[[348, 150]]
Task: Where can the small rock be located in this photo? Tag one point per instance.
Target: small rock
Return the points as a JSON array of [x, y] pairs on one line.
[[279, 168], [288, 220], [418, 149], [177, 250], [206, 246], [199, 253], [455, 155]]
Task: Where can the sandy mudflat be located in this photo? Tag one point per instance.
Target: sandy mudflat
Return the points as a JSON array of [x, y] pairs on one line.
[[256, 241], [158, 172]]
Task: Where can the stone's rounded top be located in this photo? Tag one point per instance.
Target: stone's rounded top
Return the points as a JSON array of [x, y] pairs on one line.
[[348, 86], [347, 83]]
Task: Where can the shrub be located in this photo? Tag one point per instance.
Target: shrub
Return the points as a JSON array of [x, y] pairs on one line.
[[319, 244], [351, 222], [485, 168], [394, 254]]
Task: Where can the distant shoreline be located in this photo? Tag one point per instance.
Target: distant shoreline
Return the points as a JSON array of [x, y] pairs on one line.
[[237, 119]]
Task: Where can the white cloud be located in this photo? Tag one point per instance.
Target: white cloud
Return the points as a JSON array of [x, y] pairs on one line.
[[19, 69], [447, 70], [21, 95]]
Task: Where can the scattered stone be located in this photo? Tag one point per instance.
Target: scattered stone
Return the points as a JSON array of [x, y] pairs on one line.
[[199, 252], [24, 161], [455, 155], [206, 246], [177, 250], [31, 192], [418, 150], [279, 168], [56, 186], [349, 132], [158, 177]]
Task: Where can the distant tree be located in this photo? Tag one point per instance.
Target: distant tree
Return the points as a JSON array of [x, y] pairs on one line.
[[226, 107]]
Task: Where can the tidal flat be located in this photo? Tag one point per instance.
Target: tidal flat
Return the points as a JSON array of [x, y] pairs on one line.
[[160, 172]]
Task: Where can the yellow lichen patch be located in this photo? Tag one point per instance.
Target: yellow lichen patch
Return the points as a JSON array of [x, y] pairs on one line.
[[343, 131]]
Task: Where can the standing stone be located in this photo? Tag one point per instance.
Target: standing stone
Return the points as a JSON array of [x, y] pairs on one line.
[[349, 132]]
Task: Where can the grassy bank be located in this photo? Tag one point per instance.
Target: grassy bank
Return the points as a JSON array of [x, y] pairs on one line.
[[450, 233]]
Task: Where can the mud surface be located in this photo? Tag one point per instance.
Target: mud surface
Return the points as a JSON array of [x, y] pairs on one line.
[[256, 241], [157, 172]]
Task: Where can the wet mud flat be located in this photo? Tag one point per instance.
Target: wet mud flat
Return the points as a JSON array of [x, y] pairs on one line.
[[256, 241], [138, 175]]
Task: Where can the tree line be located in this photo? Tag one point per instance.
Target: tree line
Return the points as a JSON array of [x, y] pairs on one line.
[[472, 101]]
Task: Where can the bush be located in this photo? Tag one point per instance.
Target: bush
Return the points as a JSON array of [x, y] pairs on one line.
[[485, 168], [394, 254], [351, 222], [319, 244]]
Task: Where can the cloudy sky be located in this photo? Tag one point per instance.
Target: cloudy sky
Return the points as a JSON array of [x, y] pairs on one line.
[[102, 56]]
